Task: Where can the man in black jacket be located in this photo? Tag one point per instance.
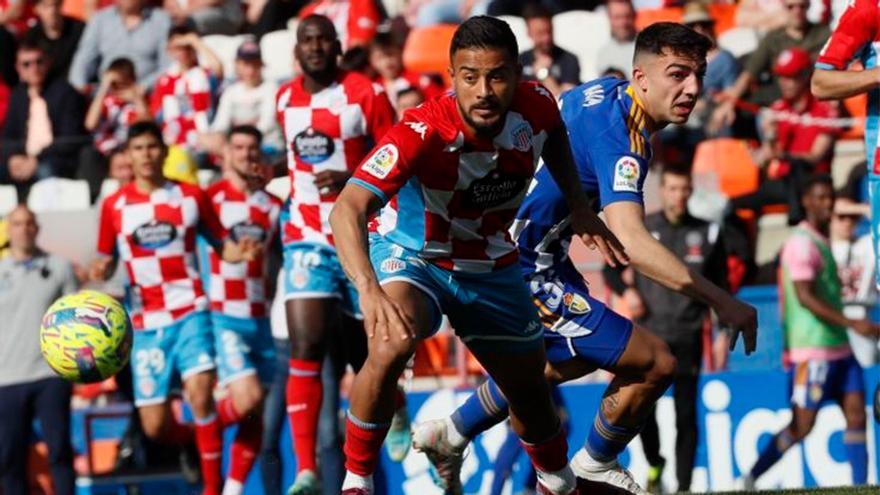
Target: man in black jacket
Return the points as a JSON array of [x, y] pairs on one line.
[[44, 124], [677, 319], [59, 33]]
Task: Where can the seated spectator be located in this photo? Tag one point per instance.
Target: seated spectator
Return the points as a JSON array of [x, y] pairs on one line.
[[118, 103], [38, 143], [16, 15], [250, 100], [617, 52], [854, 256], [182, 101], [386, 60], [59, 33], [355, 20], [120, 167], [357, 59], [410, 97], [422, 13], [265, 16], [797, 33], [555, 68], [208, 16], [129, 29], [515, 7], [797, 140]]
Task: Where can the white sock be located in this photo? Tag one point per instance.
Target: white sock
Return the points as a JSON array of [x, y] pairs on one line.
[[584, 460], [232, 487], [560, 482], [453, 436], [357, 481]]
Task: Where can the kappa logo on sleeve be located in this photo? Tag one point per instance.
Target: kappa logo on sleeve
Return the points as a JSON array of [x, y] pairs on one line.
[[383, 160], [626, 175]]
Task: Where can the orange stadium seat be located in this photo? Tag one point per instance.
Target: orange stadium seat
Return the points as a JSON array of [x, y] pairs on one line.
[[427, 49], [724, 15], [856, 107], [75, 9], [731, 162], [646, 17]]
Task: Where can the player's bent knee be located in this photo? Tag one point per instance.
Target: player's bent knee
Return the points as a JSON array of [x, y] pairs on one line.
[[153, 424], [663, 370], [248, 400]]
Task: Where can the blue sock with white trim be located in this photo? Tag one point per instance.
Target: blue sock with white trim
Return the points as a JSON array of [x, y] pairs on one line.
[[485, 408]]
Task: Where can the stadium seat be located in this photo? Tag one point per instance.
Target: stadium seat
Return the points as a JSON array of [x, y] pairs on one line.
[[582, 33], [518, 26], [724, 15], [8, 199], [856, 107], [225, 47], [730, 161], [277, 48], [56, 194], [279, 187], [646, 17], [427, 49], [739, 40], [108, 187], [75, 9]]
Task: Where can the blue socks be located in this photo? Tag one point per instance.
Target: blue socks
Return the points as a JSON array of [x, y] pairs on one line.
[[771, 453], [605, 440], [857, 452], [482, 410]]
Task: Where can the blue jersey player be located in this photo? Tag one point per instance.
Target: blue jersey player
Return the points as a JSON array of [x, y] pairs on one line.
[[609, 123]]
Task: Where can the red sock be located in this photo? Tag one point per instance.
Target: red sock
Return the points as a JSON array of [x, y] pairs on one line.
[[209, 440], [179, 433], [399, 398], [304, 394], [363, 442], [245, 448], [227, 413], [551, 455]]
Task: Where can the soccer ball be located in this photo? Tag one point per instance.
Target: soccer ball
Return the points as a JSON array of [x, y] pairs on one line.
[[86, 337]]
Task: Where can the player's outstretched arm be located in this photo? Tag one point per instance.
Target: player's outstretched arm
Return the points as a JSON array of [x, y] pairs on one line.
[[585, 223], [809, 300], [652, 259], [349, 223], [837, 84]]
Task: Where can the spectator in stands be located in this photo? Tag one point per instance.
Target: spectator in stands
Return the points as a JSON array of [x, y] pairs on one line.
[[421, 13], [386, 60], [265, 16], [250, 100], [30, 281], [355, 20], [797, 33], [797, 138], [854, 256], [8, 75], [515, 7], [182, 101], [410, 97], [119, 167], [16, 15], [129, 29], [555, 68], [39, 143], [618, 51], [208, 16], [59, 33]]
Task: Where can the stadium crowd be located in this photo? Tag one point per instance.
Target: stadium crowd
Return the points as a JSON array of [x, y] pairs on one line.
[[81, 83]]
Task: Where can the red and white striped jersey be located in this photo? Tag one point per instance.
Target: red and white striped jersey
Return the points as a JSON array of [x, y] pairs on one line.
[[453, 195], [330, 130], [182, 103], [154, 236], [240, 289], [117, 115]]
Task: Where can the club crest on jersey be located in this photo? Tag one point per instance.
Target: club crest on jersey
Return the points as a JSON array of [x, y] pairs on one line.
[[383, 160], [247, 229], [146, 386], [493, 190], [522, 137], [626, 174], [392, 265], [576, 303], [312, 146], [154, 234]]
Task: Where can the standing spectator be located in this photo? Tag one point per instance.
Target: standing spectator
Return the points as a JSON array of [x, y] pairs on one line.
[[797, 33], [129, 29], [182, 101], [617, 52], [208, 16], [386, 60], [854, 256], [678, 319], [30, 280], [39, 143], [558, 70], [59, 33], [250, 100], [355, 20], [797, 140]]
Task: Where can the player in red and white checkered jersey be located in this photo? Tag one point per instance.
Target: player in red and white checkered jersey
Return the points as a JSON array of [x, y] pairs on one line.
[[330, 118], [151, 225], [240, 298]]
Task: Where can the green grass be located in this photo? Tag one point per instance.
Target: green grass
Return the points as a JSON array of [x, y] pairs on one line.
[[860, 490]]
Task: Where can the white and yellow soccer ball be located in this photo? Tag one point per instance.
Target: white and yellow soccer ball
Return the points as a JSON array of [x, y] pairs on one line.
[[86, 337]]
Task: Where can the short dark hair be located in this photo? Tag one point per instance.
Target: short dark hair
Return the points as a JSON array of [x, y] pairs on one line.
[[248, 130], [28, 45], [678, 38], [355, 59], [124, 66], [181, 30], [384, 41], [676, 170], [816, 180], [145, 127], [484, 32], [535, 10], [317, 19]]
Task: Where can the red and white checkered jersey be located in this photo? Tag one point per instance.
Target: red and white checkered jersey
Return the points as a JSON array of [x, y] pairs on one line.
[[154, 235], [182, 103], [355, 20], [453, 195], [117, 115], [329, 130], [240, 289]]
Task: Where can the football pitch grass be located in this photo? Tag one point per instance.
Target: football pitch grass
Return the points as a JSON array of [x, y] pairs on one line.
[[843, 490]]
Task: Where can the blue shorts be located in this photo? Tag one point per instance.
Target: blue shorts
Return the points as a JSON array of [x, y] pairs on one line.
[[874, 195], [577, 325], [492, 311], [162, 357], [313, 271], [814, 382], [244, 347]]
